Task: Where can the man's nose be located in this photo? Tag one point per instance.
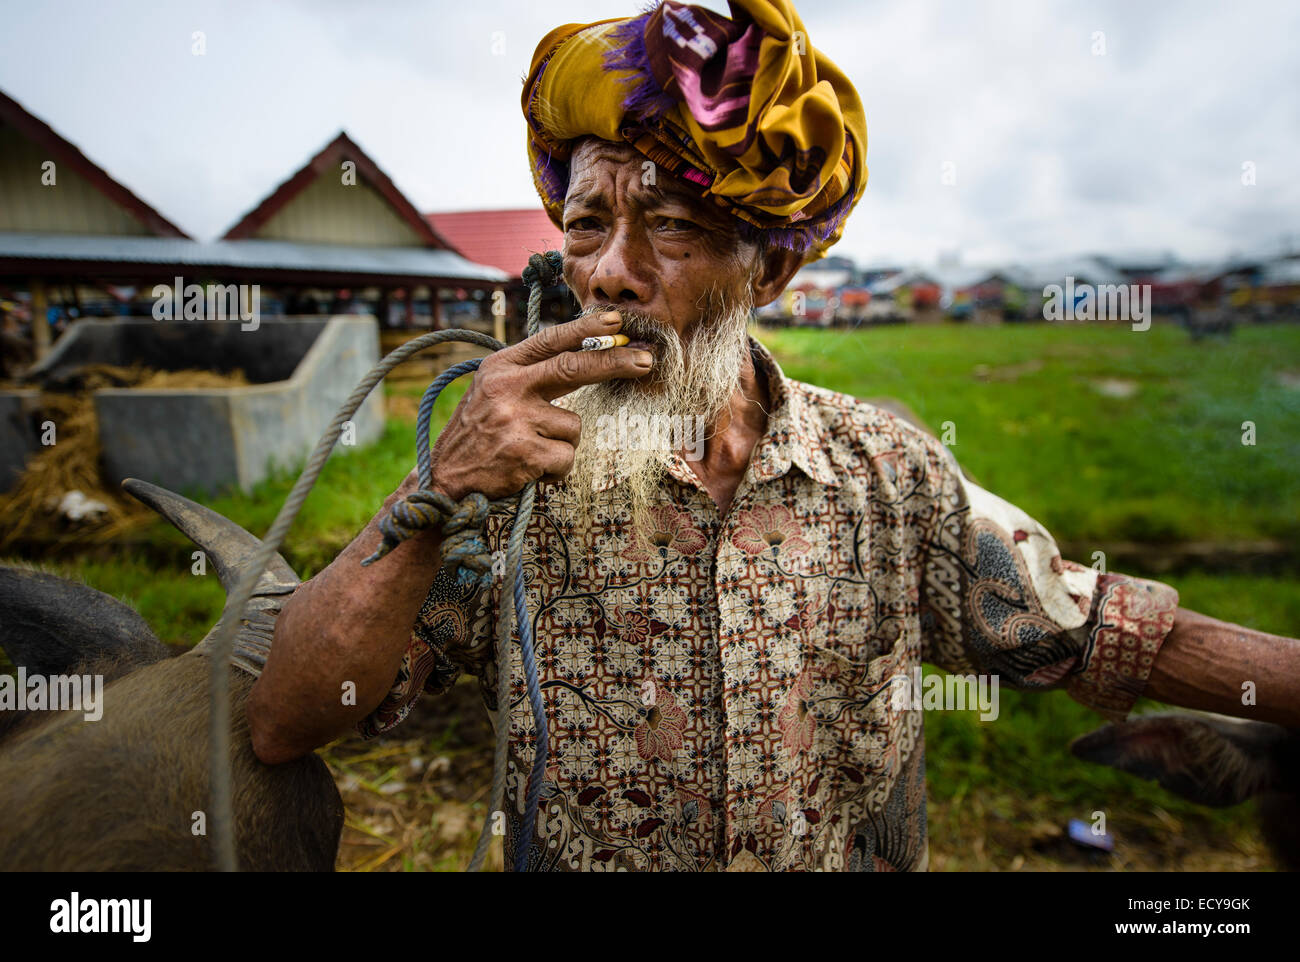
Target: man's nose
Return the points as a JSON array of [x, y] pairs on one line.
[[618, 277]]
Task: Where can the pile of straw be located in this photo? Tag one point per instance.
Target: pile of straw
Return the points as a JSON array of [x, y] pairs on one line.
[[29, 511]]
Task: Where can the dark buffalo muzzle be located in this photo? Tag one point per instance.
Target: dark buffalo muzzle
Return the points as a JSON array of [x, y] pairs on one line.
[[1212, 760]]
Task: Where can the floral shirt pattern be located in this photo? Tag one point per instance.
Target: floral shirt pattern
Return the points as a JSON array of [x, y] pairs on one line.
[[717, 696]]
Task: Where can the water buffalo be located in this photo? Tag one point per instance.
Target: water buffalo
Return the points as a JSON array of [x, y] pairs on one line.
[[1212, 760], [130, 790]]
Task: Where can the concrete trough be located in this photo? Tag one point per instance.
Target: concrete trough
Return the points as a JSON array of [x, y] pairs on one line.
[[205, 439], [17, 433]]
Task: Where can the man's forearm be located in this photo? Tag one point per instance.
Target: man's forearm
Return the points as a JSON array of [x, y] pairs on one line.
[[1205, 663], [347, 624]]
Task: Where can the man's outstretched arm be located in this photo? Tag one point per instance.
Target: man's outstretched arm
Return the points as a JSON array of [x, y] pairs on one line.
[[999, 598], [1204, 663], [348, 623]]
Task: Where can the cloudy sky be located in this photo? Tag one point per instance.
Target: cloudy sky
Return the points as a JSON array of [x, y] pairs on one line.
[[1071, 127]]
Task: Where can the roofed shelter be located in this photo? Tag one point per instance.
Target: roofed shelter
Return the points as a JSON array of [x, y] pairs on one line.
[[49, 187], [342, 201], [339, 224]]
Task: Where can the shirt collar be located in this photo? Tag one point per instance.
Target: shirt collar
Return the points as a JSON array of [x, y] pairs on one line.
[[792, 436], [793, 433]]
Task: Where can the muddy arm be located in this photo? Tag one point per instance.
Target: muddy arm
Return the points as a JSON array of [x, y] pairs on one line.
[[348, 623], [1204, 663]]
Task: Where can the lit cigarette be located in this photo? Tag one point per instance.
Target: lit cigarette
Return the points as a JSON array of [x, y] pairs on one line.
[[604, 342]]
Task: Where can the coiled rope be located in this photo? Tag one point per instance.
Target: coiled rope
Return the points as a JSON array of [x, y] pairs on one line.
[[463, 551]]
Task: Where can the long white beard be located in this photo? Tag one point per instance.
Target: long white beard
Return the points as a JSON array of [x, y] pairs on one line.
[[688, 388]]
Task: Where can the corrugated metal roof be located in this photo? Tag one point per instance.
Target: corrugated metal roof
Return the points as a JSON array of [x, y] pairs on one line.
[[502, 238], [887, 285], [264, 254], [961, 278], [1084, 270]]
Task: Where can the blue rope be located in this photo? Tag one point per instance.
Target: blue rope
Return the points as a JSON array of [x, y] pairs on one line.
[[543, 271], [522, 515], [426, 415], [538, 773]]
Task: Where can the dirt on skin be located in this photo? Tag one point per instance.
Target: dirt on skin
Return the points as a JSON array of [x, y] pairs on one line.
[[416, 799]]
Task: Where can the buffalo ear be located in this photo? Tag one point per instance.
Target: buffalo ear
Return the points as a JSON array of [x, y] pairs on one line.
[[1208, 759], [49, 625]]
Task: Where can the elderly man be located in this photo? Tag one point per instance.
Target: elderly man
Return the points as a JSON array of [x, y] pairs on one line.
[[720, 625]]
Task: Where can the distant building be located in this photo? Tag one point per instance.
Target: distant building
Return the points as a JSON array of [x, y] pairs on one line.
[[1272, 291], [903, 296], [337, 234], [55, 205], [1184, 287]]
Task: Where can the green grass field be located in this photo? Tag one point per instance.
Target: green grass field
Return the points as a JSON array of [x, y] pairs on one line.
[[1164, 463]]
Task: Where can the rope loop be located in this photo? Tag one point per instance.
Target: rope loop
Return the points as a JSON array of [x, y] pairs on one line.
[[464, 551], [544, 270]]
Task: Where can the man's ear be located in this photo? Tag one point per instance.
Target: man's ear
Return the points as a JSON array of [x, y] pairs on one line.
[[778, 267]]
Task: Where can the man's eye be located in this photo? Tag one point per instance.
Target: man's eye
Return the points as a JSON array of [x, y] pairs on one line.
[[583, 223], [678, 223]]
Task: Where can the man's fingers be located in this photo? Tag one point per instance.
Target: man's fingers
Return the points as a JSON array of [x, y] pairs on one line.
[[561, 425], [562, 337], [556, 460], [570, 370]]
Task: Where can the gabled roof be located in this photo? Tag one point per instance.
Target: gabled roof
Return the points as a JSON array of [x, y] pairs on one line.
[[329, 159], [1084, 270], [63, 152], [158, 256], [906, 277], [503, 238], [962, 278]]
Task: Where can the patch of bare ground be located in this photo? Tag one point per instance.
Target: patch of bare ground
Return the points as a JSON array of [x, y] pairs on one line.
[[416, 799]]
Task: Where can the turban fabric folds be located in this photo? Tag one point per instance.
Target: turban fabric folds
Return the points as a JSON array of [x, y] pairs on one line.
[[744, 108]]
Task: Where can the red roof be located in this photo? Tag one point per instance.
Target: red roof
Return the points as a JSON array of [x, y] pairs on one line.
[[501, 238]]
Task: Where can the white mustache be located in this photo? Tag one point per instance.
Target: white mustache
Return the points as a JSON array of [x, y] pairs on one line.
[[692, 382], [637, 326]]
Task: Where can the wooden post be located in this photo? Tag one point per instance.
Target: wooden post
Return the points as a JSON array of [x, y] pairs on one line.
[[498, 316], [40, 323], [435, 308]]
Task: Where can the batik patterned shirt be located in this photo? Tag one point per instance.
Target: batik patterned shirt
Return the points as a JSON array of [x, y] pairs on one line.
[[719, 695]]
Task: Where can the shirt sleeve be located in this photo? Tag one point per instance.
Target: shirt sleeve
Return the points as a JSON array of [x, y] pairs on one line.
[[997, 598], [452, 635]]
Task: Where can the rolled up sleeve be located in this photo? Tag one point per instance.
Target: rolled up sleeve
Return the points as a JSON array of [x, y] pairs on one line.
[[997, 598], [451, 636]]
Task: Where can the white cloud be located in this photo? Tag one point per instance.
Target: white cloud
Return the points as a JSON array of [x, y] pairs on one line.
[[1056, 150]]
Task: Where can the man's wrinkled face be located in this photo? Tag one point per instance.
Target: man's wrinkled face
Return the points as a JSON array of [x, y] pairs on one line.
[[636, 238], [675, 269]]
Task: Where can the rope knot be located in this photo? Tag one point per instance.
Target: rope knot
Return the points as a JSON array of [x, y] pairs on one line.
[[546, 270], [464, 552]]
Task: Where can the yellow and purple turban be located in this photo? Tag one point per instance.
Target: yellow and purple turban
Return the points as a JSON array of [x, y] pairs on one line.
[[744, 108]]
